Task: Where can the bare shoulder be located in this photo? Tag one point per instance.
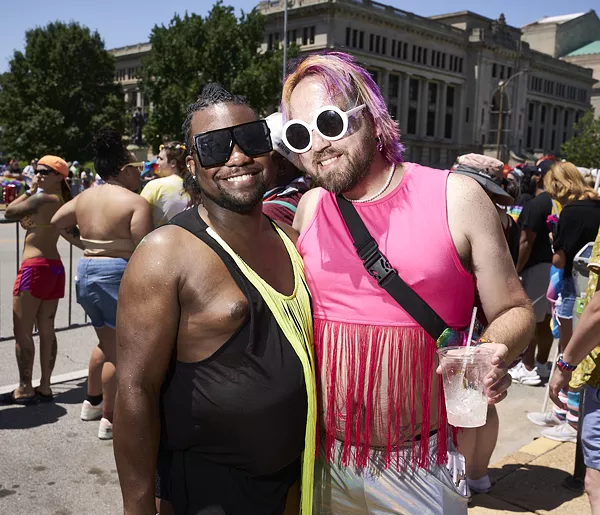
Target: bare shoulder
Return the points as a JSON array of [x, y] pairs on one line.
[[290, 232], [171, 254], [468, 202], [306, 209]]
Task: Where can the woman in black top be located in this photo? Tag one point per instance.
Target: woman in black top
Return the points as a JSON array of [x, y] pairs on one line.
[[577, 226]]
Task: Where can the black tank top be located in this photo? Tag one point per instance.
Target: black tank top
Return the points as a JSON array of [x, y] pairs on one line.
[[244, 407]]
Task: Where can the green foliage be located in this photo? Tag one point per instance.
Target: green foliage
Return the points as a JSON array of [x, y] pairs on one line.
[[192, 51], [58, 93], [583, 149]]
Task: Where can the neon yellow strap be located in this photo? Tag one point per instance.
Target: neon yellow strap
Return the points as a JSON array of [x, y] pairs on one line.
[[294, 317]]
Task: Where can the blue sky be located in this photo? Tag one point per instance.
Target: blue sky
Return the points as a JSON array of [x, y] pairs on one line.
[[129, 21]]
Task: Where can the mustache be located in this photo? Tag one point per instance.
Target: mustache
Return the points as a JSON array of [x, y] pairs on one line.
[[326, 154]]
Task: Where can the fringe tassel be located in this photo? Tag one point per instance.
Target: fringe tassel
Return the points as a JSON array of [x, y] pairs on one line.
[[373, 380]]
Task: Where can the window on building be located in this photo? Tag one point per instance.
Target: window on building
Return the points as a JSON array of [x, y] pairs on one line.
[[502, 71], [554, 117], [566, 120], [374, 75], [405, 51], [543, 115], [424, 56], [361, 40], [494, 70], [371, 43], [393, 47], [394, 86], [305, 36], [541, 140], [377, 44], [509, 73], [311, 39], [393, 109], [451, 63], [450, 96], [467, 115], [530, 113], [411, 125], [444, 61], [294, 36], [348, 32], [448, 126], [432, 90], [552, 139], [384, 46], [414, 53], [413, 90], [434, 54], [460, 65], [529, 137], [355, 38]]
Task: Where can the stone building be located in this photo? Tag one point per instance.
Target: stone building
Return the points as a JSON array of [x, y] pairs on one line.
[[128, 63], [574, 38], [447, 78]]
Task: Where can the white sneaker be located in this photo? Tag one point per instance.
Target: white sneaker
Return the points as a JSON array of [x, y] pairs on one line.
[[105, 429], [91, 412], [544, 419], [543, 370], [561, 433], [482, 485], [520, 374]]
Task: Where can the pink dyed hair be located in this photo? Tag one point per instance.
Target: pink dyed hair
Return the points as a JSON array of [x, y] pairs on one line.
[[341, 75]]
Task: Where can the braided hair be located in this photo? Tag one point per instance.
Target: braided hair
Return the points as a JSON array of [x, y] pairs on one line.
[[110, 154]]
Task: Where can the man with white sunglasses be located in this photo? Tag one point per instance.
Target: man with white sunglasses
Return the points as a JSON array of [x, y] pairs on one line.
[[386, 446]]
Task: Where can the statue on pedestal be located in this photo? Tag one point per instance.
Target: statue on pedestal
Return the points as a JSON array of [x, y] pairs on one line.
[[137, 124]]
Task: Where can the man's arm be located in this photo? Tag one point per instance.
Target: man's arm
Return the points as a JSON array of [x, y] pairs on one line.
[[559, 259], [66, 217], [147, 325], [586, 338], [504, 302]]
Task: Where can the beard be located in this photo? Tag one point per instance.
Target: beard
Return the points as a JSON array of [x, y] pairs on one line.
[[241, 202], [345, 178]]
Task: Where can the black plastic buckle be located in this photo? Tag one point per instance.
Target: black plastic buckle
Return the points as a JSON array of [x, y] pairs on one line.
[[375, 262]]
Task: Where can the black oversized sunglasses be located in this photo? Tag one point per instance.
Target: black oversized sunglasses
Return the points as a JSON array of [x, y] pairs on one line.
[[45, 171], [214, 148]]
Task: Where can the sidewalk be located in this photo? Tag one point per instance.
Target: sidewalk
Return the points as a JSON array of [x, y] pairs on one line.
[[530, 481]]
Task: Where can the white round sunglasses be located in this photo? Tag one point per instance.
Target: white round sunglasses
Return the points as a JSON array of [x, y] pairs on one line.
[[330, 122]]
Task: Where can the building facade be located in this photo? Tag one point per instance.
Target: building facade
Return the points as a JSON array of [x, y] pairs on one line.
[[128, 63], [574, 38], [447, 78], [456, 83]]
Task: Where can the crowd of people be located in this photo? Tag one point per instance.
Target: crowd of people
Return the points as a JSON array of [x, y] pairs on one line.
[[278, 364]]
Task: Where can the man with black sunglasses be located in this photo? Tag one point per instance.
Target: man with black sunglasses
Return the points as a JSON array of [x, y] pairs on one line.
[[386, 443], [231, 347]]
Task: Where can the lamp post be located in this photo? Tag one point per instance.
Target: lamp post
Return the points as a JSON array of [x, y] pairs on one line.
[[285, 9], [502, 85]]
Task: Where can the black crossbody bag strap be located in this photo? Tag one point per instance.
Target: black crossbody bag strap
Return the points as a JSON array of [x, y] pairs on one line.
[[380, 269]]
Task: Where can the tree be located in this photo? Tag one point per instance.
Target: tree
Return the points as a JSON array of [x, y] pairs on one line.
[[58, 93], [192, 51], [583, 149]]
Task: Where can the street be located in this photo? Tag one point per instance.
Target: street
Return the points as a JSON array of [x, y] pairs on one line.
[[51, 462]]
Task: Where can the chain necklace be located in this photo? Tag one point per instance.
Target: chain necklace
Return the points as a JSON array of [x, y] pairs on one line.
[[385, 187]]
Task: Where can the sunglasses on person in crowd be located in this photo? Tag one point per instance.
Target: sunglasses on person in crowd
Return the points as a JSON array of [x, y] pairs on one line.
[[138, 165], [172, 147], [214, 148], [330, 122], [45, 171]]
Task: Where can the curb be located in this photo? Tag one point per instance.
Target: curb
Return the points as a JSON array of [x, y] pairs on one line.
[[62, 378]]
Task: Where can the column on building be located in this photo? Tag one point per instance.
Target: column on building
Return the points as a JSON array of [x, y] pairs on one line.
[[422, 109], [384, 84], [403, 116], [537, 111]]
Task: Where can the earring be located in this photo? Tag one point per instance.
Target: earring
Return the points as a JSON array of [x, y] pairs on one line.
[[379, 144]]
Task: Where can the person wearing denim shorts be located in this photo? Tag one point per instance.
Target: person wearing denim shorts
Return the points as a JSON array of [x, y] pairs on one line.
[[583, 351], [112, 220]]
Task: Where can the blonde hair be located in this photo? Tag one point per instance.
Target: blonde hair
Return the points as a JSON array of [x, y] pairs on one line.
[[564, 182]]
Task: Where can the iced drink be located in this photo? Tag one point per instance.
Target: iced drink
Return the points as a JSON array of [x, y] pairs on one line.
[[463, 371]]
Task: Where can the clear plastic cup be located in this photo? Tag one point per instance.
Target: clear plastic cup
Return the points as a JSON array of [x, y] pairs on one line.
[[463, 371]]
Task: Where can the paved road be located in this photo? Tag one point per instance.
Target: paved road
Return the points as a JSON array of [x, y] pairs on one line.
[[51, 463]]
